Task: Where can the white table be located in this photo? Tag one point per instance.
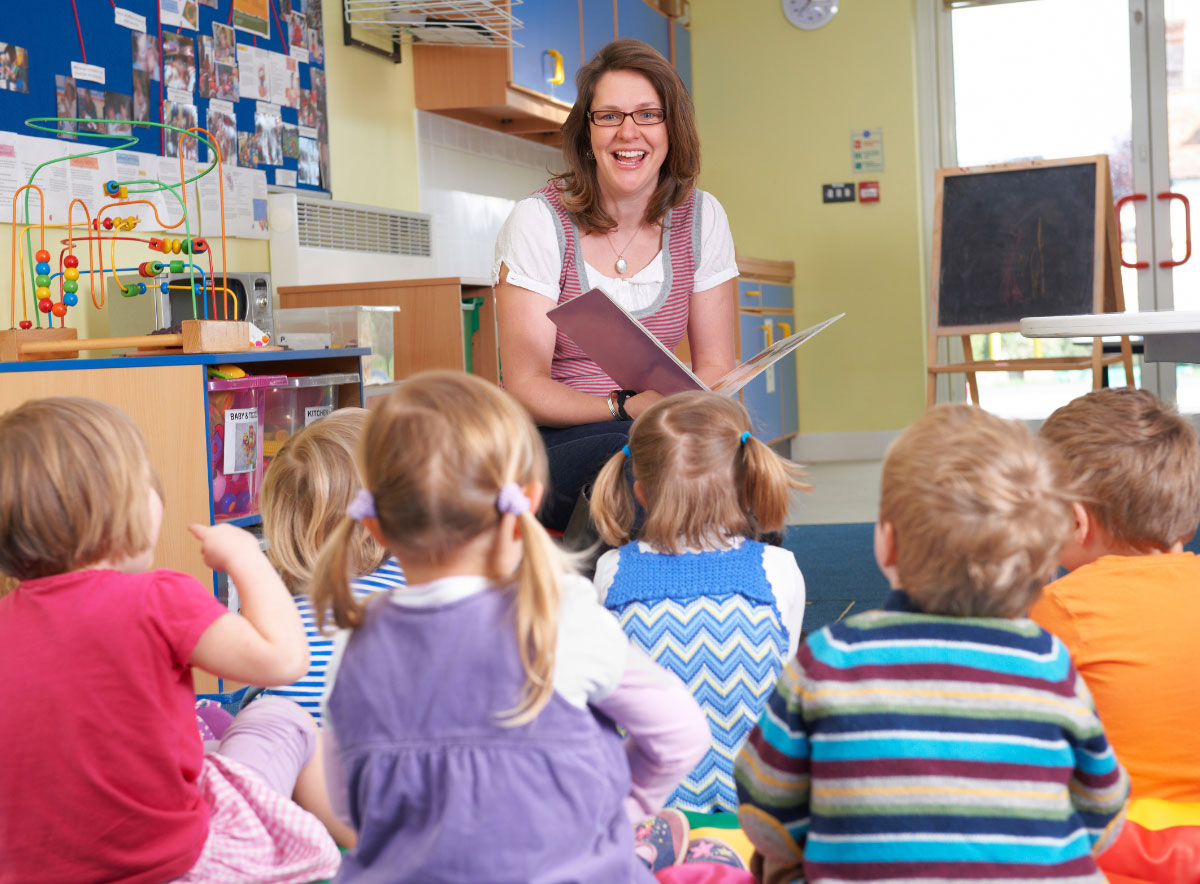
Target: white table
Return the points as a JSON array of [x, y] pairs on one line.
[[1168, 335]]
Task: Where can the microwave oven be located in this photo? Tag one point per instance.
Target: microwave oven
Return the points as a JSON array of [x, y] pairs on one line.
[[250, 293]]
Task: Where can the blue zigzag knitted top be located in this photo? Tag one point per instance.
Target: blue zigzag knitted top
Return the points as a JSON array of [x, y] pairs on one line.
[[711, 618]]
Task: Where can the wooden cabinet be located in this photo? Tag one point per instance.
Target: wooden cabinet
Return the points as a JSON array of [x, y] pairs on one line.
[[510, 90], [765, 315]]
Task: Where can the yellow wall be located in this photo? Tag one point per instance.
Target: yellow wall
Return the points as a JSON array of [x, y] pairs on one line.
[[775, 108]]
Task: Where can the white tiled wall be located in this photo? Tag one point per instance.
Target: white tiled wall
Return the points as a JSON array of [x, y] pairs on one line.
[[470, 178]]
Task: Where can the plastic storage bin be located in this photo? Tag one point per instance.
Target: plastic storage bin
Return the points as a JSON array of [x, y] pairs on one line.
[[295, 405], [304, 328], [235, 421]]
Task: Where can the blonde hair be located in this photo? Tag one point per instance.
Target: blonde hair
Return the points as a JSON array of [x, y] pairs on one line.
[[1135, 462], [434, 455], [700, 480], [73, 477], [305, 494], [980, 512]]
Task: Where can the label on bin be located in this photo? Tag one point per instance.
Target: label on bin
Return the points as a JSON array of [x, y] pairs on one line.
[[316, 412], [241, 440]]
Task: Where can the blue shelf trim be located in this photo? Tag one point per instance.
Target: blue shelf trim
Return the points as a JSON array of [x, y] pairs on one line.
[[194, 359]]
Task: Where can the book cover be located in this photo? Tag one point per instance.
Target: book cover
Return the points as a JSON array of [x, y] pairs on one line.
[[636, 360]]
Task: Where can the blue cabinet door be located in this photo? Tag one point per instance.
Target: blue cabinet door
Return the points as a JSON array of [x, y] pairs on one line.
[[762, 396], [599, 28], [548, 25], [789, 393], [750, 294], [777, 297], [636, 18], [683, 54]]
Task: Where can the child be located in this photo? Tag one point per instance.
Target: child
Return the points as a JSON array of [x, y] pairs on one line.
[[104, 776], [1128, 610], [945, 737], [304, 496], [472, 709], [719, 610]]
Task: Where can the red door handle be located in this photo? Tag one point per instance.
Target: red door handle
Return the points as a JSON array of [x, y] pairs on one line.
[[1132, 198], [1187, 226]]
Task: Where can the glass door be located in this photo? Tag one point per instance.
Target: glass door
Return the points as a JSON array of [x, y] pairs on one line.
[[1043, 79]]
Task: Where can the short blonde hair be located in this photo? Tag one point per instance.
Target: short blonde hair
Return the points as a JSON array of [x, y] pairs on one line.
[[701, 481], [304, 497], [435, 455], [1136, 464], [73, 487], [980, 512]]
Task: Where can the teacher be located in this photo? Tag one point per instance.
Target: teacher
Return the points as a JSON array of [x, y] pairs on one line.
[[624, 217]]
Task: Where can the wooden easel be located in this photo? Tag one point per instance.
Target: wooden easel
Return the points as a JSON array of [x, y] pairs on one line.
[[1107, 294]]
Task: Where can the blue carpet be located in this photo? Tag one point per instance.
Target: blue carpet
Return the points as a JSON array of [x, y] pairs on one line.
[[838, 564]]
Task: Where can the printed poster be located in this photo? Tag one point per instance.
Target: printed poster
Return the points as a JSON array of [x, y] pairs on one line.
[[253, 17]]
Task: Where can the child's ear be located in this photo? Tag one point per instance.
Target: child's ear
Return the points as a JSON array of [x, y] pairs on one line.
[[639, 493], [534, 491], [372, 525], [885, 552]]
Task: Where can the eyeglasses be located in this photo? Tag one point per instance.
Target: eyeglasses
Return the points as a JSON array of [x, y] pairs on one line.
[[646, 116]]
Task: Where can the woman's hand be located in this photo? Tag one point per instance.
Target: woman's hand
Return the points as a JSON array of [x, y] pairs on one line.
[[635, 405]]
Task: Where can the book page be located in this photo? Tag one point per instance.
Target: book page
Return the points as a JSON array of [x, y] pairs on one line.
[[732, 381]]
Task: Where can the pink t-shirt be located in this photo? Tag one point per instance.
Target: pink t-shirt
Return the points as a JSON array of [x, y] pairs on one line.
[[97, 727]]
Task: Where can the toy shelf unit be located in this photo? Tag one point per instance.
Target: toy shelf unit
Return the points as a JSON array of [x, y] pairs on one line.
[[170, 399], [765, 314]]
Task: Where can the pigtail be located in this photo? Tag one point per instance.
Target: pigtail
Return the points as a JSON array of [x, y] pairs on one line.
[[330, 586], [537, 609], [766, 484], [611, 504]]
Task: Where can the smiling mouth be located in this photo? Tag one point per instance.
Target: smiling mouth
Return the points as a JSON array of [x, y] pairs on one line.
[[629, 158]]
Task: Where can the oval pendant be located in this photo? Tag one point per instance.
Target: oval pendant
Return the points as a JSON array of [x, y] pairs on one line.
[[621, 265]]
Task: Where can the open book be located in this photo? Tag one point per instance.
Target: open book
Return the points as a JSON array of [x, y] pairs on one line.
[[636, 360]]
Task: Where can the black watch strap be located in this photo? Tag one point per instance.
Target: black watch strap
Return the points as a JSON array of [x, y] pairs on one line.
[[622, 397]]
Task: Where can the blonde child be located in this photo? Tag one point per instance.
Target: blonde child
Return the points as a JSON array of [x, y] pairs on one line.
[[308, 486], [1128, 610], [472, 709], [720, 610], [104, 775], [945, 737]]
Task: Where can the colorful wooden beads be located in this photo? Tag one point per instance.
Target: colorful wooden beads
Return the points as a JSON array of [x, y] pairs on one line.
[[43, 267], [26, 324], [42, 280], [130, 290], [150, 268], [70, 298], [59, 309], [45, 305], [71, 261], [71, 273], [111, 188], [42, 256], [70, 286]]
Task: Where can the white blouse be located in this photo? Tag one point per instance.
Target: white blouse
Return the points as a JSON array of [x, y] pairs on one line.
[[528, 246]]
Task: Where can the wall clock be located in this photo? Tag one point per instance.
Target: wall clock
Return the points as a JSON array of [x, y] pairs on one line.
[[810, 14]]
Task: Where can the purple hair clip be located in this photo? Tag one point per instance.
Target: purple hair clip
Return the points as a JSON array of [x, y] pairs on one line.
[[361, 506], [512, 500]]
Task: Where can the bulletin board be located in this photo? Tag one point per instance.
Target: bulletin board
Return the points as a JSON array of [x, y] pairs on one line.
[[250, 71]]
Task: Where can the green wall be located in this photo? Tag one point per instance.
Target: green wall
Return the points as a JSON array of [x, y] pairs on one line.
[[775, 108]]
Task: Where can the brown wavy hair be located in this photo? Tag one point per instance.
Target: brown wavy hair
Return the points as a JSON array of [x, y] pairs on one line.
[[578, 186]]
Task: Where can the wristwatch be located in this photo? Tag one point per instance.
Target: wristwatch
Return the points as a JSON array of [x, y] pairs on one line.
[[622, 397]]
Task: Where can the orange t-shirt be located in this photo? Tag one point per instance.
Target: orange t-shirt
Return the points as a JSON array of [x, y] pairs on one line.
[[1132, 625]]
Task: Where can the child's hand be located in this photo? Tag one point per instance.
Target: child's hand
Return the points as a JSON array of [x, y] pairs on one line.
[[224, 545]]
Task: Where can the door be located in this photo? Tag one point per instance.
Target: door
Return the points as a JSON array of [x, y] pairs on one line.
[[1080, 77]]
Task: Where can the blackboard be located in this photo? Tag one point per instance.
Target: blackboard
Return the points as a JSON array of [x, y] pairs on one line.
[[39, 42], [1017, 240]]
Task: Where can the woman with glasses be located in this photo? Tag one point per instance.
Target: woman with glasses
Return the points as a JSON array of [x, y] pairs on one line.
[[626, 217]]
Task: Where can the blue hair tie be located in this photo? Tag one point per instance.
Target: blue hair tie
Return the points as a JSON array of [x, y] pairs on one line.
[[625, 448], [746, 435]]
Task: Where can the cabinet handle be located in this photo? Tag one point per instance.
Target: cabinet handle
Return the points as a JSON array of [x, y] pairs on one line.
[[753, 294], [787, 329], [559, 74], [1132, 198], [1187, 225], [768, 328]]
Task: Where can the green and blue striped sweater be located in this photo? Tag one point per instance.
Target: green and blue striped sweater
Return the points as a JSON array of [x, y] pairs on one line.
[[900, 746]]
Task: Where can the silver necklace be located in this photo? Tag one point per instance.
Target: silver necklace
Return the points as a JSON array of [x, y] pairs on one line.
[[620, 264]]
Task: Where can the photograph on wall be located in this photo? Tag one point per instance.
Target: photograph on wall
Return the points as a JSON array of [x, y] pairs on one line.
[[253, 17], [316, 33], [225, 42], [247, 150], [285, 80], [227, 82], [206, 82], [289, 135], [182, 116], [14, 68], [145, 55], [287, 7], [91, 111], [326, 183], [211, 4], [297, 36], [254, 78], [308, 109], [266, 133], [64, 105], [318, 90], [222, 126], [179, 61], [310, 162], [141, 96], [119, 108]]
